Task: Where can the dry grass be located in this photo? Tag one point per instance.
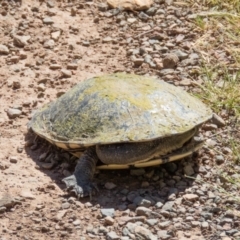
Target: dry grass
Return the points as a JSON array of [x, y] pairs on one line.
[[217, 23]]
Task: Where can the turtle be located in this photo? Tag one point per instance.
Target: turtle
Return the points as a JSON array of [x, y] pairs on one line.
[[119, 121]]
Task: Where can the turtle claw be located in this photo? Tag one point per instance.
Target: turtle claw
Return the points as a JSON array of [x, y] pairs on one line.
[[79, 187]]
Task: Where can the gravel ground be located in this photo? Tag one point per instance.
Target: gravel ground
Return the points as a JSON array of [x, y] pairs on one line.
[[46, 48]]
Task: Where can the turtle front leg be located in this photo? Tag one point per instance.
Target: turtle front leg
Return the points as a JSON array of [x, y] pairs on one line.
[[81, 180]]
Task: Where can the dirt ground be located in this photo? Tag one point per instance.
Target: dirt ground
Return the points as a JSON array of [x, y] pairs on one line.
[[45, 49]]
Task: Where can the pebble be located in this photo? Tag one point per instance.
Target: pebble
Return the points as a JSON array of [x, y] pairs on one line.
[[143, 233], [110, 185], [163, 234], [158, 204], [170, 61], [188, 170], [55, 66], [65, 205], [168, 206], [143, 211], [143, 16], [137, 61], [218, 120], [205, 225], [13, 113], [137, 172], [55, 35], [109, 220], [76, 222], [195, 223], [140, 201], [220, 159], [164, 224], [49, 43], [152, 222], [13, 159], [73, 66], [48, 20], [190, 197], [112, 236], [107, 212], [66, 73], [107, 40], [102, 7], [21, 41], [185, 82], [131, 20], [151, 11], [48, 165], [4, 49]]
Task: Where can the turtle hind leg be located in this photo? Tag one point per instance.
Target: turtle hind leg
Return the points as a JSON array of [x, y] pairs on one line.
[[81, 181]]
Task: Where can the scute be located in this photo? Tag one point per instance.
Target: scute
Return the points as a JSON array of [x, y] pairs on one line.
[[118, 108]]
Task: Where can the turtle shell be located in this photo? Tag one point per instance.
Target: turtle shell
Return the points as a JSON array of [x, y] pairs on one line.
[[118, 108]]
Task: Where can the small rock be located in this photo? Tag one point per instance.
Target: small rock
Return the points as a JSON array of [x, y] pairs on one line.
[[49, 43], [65, 205], [109, 185], [206, 215], [107, 40], [143, 211], [48, 165], [205, 225], [151, 11], [137, 61], [145, 184], [190, 197], [50, 4], [109, 220], [152, 222], [181, 55], [179, 38], [188, 170], [13, 159], [48, 20], [164, 224], [13, 113], [112, 236], [218, 120], [137, 172], [158, 204], [144, 233], [107, 212], [21, 41], [103, 7], [28, 195], [131, 20], [140, 201], [185, 82], [163, 234], [73, 66], [22, 54], [168, 206], [76, 222], [4, 49], [66, 73], [195, 223], [226, 150], [219, 159], [55, 35], [143, 16], [55, 66], [209, 127], [86, 43], [61, 214], [170, 61]]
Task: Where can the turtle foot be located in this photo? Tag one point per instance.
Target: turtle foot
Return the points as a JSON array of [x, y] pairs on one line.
[[79, 187]]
